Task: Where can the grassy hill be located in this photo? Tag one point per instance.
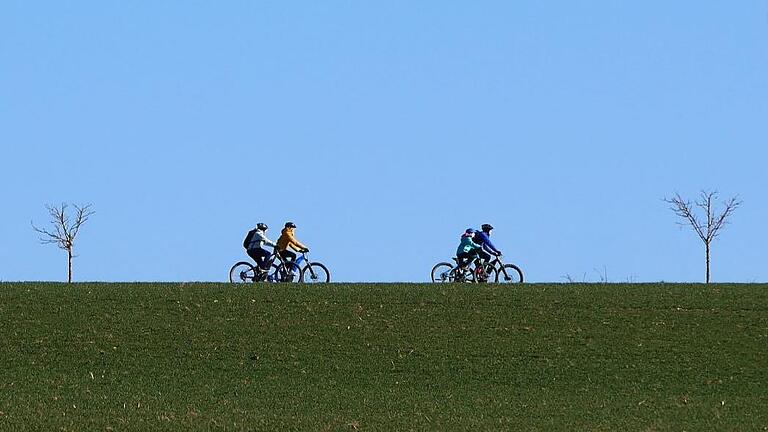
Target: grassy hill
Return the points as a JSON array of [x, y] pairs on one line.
[[383, 357]]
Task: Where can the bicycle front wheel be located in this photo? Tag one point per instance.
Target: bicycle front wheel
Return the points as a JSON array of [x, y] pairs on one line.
[[242, 272], [315, 272], [443, 273], [509, 273]]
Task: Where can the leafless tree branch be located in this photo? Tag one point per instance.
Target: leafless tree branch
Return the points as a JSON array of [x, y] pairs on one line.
[[82, 213], [683, 209], [719, 222]]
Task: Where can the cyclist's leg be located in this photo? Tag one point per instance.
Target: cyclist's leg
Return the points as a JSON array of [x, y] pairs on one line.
[[464, 259], [290, 258], [262, 258], [253, 254], [482, 255], [473, 255]]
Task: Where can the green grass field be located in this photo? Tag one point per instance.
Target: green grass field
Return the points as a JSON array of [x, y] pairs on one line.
[[383, 357]]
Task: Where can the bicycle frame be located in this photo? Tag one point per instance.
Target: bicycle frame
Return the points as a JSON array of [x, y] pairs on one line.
[[305, 258], [501, 269], [284, 264], [496, 263]]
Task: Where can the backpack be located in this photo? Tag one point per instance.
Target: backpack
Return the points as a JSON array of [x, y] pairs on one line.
[[248, 237], [477, 238]]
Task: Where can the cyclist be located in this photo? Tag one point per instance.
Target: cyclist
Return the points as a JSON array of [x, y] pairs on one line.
[[468, 249], [256, 249], [482, 238], [287, 240]]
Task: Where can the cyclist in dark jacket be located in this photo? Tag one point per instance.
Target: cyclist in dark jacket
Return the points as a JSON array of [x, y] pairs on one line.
[[482, 238]]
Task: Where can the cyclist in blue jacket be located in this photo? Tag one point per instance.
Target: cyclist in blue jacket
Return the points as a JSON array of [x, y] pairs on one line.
[[482, 238]]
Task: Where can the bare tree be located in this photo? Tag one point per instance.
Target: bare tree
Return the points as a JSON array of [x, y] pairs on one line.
[[65, 229], [709, 228]]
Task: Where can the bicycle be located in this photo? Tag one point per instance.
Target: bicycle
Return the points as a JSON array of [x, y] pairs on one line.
[[283, 271], [494, 270]]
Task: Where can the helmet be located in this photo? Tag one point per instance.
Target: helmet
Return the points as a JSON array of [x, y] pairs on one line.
[[290, 225], [486, 227], [262, 226], [469, 231]]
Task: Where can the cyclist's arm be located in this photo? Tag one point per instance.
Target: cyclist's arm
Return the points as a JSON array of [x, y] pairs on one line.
[[298, 247], [266, 241], [295, 244], [490, 247]]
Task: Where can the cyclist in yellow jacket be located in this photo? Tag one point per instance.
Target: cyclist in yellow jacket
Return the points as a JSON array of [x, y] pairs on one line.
[[287, 240]]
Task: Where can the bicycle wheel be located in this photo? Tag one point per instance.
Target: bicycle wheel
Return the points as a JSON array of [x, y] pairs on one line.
[[509, 273], [315, 272], [461, 276], [443, 273], [484, 275], [273, 275], [290, 273], [242, 272]]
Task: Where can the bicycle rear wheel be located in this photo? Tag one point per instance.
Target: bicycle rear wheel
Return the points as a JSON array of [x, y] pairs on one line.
[[288, 273], [315, 272], [242, 272], [488, 274], [271, 275], [509, 273], [443, 273]]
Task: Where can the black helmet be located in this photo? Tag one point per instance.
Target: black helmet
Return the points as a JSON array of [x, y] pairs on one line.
[[262, 226], [290, 225], [486, 227]]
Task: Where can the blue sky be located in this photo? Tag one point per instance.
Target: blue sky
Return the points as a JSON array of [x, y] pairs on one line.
[[383, 130]]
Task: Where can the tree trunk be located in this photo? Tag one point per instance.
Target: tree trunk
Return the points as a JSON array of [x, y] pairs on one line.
[[69, 265], [706, 247]]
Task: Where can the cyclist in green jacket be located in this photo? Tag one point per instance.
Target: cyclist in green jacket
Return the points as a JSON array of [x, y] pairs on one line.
[[468, 249]]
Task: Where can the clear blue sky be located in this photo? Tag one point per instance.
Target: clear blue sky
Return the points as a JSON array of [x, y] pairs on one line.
[[383, 129]]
